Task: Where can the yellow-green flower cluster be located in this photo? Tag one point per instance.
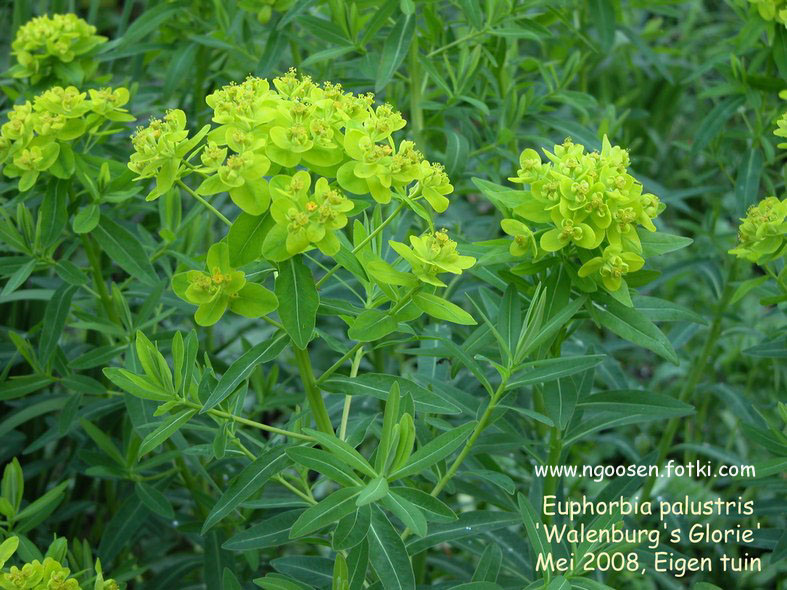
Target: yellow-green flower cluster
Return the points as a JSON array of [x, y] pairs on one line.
[[310, 217], [432, 254], [781, 130], [775, 10], [273, 141], [222, 288], [590, 203], [48, 574], [44, 43], [762, 235], [37, 135], [159, 150]]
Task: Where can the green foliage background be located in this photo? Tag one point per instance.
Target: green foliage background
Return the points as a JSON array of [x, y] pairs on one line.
[[690, 87]]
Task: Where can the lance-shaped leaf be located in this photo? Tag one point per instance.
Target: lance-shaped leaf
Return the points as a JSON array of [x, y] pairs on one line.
[[388, 555], [434, 451], [166, 429], [342, 451], [242, 368], [338, 505], [295, 288], [248, 482], [325, 463]]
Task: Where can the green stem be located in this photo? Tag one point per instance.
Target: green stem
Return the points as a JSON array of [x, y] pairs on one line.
[[365, 241], [698, 370], [333, 368], [313, 394], [483, 422], [210, 207], [348, 398], [294, 490], [278, 477], [467, 37], [479, 428], [252, 423]]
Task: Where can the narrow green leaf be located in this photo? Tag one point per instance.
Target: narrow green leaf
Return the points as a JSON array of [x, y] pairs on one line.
[[509, 318], [295, 287], [352, 529], [19, 277], [713, 122], [395, 48], [50, 498], [469, 524], [747, 181], [246, 236], [388, 555], [636, 402], [86, 219], [241, 368], [53, 214], [103, 441], [489, 564], [545, 370], [631, 325], [407, 512], [154, 499], [7, 549], [435, 450], [169, 426], [442, 309], [343, 451], [325, 463], [373, 491], [246, 483], [124, 249], [434, 508], [535, 532], [372, 324], [271, 532], [338, 505], [602, 12], [54, 321], [20, 386], [378, 385]]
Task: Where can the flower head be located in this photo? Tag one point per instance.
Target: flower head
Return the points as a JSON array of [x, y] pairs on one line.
[[763, 232], [432, 254], [32, 138], [588, 201], [220, 287], [774, 10], [45, 43]]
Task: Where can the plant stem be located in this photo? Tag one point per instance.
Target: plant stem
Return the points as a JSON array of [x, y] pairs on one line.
[[313, 393], [698, 370], [252, 423], [348, 398], [332, 369], [365, 241], [479, 428], [210, 207], [483, 422], [294, 490]]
